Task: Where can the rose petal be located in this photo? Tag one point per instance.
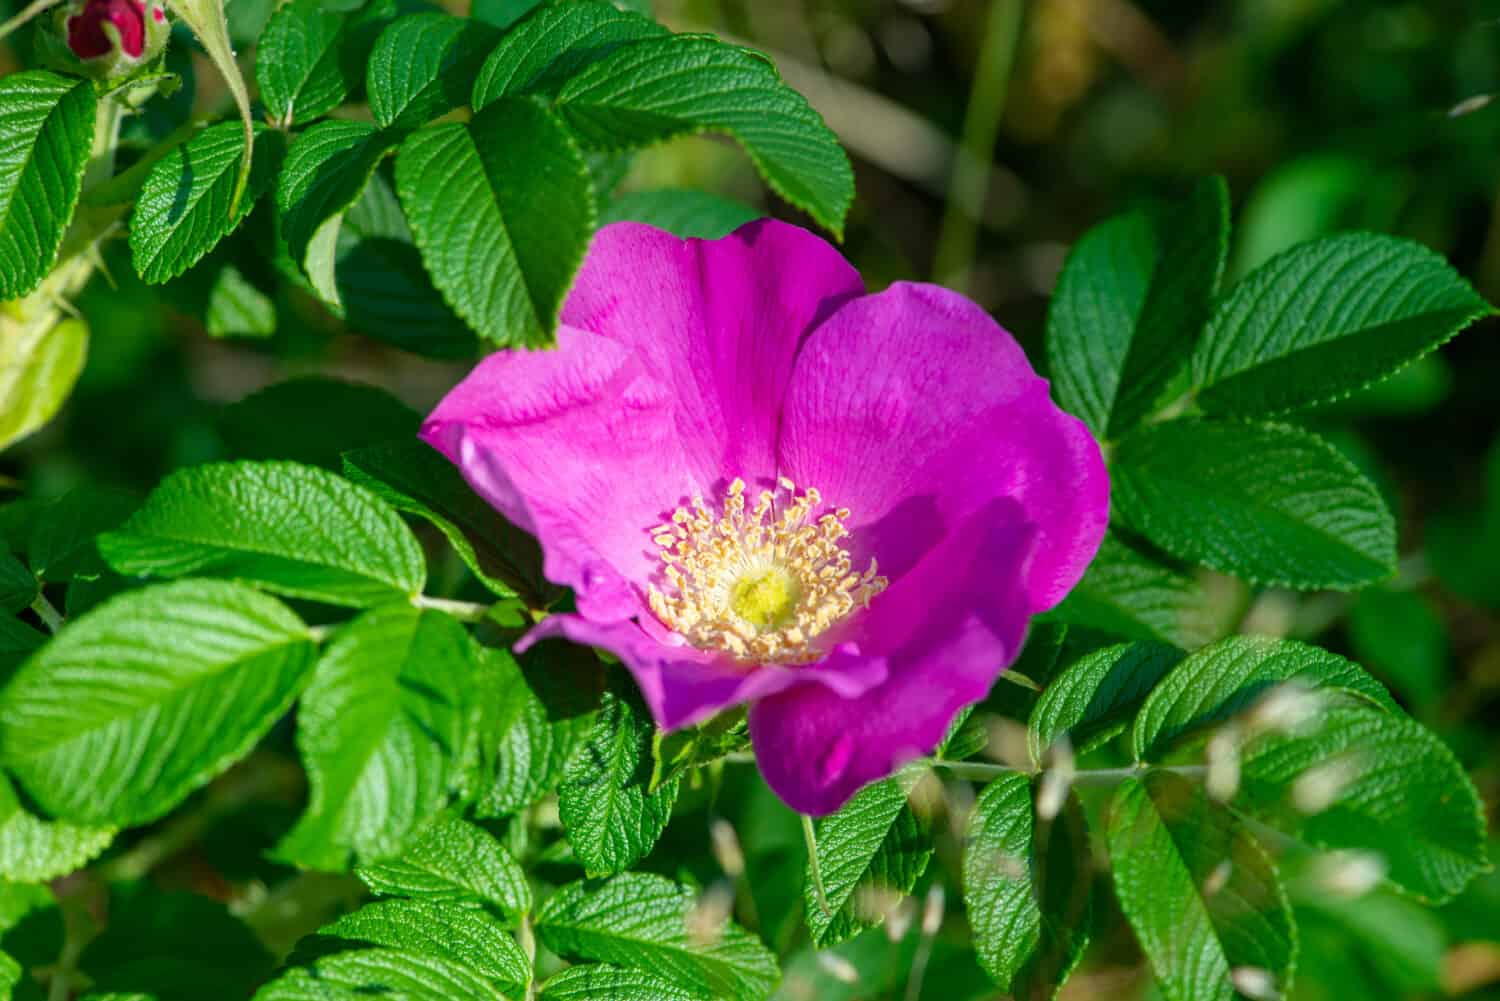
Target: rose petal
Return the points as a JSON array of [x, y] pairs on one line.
[[913, 409], [947, 628], [578, 446], [718, 322], [683, 685]]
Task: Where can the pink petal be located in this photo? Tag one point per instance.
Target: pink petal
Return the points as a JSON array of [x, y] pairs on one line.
[[914, 409], [947, 628], [579, 446], [718, 322], [683, 686]]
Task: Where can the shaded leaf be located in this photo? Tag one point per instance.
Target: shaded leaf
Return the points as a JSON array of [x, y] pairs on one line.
[[1326, 318], [1268, 503]]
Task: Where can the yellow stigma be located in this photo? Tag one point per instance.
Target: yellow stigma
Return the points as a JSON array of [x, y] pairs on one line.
[[759, 585]]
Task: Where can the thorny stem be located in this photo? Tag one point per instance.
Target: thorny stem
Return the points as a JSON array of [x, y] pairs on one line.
[[811, 837]]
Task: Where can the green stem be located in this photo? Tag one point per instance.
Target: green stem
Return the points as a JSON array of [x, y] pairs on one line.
[[813, 866], [464, 611], [260, 779], [526, 938], [20, 20], [47, 612], [106, 141], [78, 928], [971, 166], [982, 771]]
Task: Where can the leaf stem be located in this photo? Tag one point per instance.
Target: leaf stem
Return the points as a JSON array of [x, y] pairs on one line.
[[983, 771], [464, 611], [47, 612], [811, 836], [971, 165], [526, 938], [20, 20]]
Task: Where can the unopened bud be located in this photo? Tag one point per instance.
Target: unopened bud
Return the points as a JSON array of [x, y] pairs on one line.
[[107, 40]]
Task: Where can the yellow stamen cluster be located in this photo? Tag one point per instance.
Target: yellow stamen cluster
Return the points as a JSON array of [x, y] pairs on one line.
[[759, 586]]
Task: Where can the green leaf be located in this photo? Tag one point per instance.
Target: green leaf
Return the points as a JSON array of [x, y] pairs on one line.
[[236, 308], [11, 974], [1403, 640], [414, 478], [454, 861], [170, 945], [1094, 695], [1378, 945], [872, 850], [674, 754], [144, 699], [689, 213], [184, 207], [501, 235], [1374, 781], [1268, 503], [327, 170], [17, 641], [1130, 302], [1326, 318], [503, 13], [293, 529], [383, 290], [313, 420], [469, 939], [46, 133], [381, 731], [18, 588], [359, 974], [612, 818], [543, 54], [1218, 681], [1131, 591], [589, 983], [62, 542], [38, 367], [1201, 894], [423, 66], [560, 691], [33, 850], [311, 57], [646, 922], [661, 88], [1028, 902]]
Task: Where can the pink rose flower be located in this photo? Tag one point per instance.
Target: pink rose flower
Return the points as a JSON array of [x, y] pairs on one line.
[[767, 486]]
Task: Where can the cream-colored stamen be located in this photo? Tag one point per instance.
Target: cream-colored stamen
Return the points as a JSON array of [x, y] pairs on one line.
[[756, 585]]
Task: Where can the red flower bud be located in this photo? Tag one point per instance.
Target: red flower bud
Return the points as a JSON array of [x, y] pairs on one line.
[[86, 35], [106, 39]]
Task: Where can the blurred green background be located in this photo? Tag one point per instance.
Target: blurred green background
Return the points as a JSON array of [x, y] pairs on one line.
[[986, 138]]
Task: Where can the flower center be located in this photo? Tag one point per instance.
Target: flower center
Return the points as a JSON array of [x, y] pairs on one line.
[[765, 599], [756, 584]]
